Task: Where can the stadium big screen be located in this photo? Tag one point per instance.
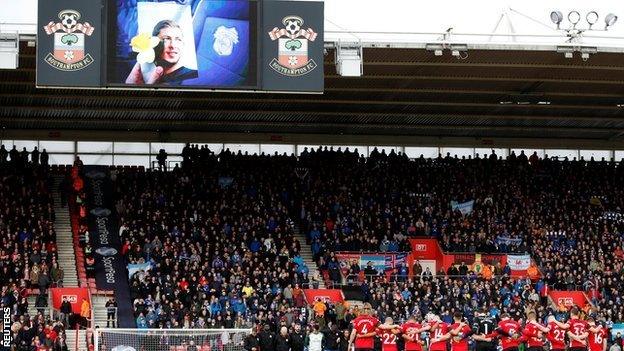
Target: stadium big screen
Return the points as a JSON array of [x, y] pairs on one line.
[[183, 44]]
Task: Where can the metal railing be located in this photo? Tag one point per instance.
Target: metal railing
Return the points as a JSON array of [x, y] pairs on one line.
[[169, 165]]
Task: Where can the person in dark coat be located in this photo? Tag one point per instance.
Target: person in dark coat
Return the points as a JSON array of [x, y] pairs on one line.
[[297, 339], [66, 311], [252, 341], [3, 154], [344, 341], [267, 338], [332, 337], [34, 156], [282, 341], [45, 158]]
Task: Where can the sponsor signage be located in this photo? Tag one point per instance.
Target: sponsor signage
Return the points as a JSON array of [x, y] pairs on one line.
[[325, 295], [425, 249], [110, 269], [73, 295], [110, 266], [568, 298]]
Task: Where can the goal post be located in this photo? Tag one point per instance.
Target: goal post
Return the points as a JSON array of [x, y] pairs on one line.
[[119, 339]]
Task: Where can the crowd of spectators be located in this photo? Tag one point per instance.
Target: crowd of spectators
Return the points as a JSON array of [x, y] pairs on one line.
[[28, 257], [219, 239], [219, 234], [565, 213]]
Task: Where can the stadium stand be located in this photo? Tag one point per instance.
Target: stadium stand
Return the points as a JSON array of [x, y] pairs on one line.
[[218, 233], [28, 252], [221, 250]]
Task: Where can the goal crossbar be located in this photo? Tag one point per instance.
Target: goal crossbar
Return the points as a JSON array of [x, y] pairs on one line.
[[130, 339]]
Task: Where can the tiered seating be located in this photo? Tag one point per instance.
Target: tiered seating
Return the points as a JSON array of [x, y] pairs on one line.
[[28, 258], [221, 227], [216, 234]]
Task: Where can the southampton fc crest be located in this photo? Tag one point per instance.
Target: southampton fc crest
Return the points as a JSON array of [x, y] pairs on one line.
[[69, 42], [292, 50]]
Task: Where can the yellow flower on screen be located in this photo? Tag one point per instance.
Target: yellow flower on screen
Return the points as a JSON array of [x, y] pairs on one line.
[[144, 45]]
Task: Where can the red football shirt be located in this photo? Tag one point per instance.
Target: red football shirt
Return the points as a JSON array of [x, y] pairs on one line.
[[363, 325], [556, 336], [410, 329], [441, 330], [531, 333], [596, 340], [577, 327], [460, 342], [388, 340], [509, 327]]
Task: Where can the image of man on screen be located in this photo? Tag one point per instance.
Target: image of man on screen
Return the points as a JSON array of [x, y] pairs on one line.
[[169, 69]]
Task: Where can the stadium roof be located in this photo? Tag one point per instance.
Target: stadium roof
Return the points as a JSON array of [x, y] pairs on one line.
[[491, 93], [506, 86]]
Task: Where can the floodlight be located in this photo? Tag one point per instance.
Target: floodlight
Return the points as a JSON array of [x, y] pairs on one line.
[[436, 48], [556, 17], [610, 20], [591, 18], [574, 17]]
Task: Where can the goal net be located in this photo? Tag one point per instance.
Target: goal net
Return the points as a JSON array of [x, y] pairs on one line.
[[106, 339]]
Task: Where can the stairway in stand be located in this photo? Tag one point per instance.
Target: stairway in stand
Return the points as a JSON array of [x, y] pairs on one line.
[[71, 340], [308, 258], [64, 237], [99, 310], [66, 257]]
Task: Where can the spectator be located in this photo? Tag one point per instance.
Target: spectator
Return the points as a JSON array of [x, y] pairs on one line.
[[332, 337], [45, 158], [267, 338], [111, 313], [66, 311], [85, 312], [315, 340], [297, 338], [252, 341], [162, 160], [283, 341]]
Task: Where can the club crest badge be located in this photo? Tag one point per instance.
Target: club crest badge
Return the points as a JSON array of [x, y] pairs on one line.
[[293, 43], [69, 42]]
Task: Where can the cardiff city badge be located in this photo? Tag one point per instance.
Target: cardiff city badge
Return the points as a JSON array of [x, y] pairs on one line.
[[69, 42], [293, 42]]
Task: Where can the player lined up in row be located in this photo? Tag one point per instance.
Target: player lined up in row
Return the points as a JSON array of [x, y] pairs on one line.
[[487, 333]]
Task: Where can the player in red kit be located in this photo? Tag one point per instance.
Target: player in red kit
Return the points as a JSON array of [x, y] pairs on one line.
[[460, 332], [556, 334], [438, 334], [389, 334], [532, 333], [597, 336], [441, 332], [411, 334], [578, 332], [510, 333], [364, 330]]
